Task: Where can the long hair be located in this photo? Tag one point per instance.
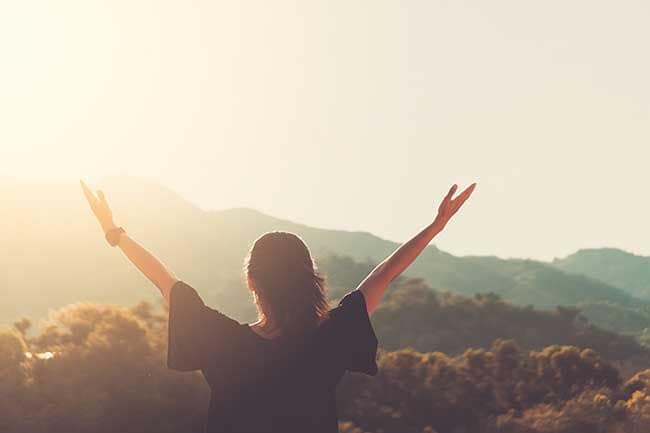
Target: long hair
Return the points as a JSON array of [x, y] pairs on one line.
[[289, 289]]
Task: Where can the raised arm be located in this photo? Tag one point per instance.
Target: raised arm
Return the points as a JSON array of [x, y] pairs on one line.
[[374, 285], [146, 262]]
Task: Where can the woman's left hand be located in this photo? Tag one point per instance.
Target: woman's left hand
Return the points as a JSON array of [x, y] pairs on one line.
[[100, 208]]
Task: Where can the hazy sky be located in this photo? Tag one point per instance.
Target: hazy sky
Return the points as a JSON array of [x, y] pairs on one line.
[[347, 114]]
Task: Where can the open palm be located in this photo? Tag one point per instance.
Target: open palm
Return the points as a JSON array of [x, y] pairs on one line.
[[100, 208], [450, 205]]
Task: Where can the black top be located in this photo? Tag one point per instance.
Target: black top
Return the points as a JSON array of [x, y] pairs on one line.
[[269, 385]]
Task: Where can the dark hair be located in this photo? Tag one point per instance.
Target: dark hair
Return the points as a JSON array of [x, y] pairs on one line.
[[290, 290]]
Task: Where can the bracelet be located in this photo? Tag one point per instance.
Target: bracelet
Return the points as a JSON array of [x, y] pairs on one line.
[[113, 236]]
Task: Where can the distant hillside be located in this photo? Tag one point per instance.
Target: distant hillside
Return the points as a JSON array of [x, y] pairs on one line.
[[413, 315], [55, 254], [612, 266]]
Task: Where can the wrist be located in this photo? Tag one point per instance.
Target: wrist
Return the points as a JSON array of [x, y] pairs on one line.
[[437, 226], [109, 227], [114, 236]]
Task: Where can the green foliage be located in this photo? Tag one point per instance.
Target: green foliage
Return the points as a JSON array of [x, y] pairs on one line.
[[99, 368], [624, 319], [644, 338], [560, 389], [13, 378], [103, 373]]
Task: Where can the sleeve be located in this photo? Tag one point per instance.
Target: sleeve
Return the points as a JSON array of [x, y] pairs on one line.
[[356, 339], [195, 330]]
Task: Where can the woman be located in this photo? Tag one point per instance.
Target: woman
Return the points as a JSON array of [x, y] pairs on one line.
[[280, 373]]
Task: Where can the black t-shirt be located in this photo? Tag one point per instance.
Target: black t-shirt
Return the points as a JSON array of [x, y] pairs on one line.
[[269, 385]]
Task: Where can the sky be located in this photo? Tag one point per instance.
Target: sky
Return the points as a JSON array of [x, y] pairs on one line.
[[354, 115]]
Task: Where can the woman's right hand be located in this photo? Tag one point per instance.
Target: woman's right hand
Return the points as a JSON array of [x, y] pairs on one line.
[[374, 285], [450, 205], [100, 208]]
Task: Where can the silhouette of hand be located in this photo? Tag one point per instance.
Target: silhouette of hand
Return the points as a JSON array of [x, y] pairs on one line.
[[450, 205], [100, 208]]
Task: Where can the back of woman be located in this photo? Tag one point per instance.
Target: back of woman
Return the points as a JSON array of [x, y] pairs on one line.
[[258, 385]]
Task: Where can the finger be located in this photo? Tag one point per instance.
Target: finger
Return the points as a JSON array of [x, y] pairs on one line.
[[88, 193], [468, 191], [102, 197], [458, 201], [450, 194]]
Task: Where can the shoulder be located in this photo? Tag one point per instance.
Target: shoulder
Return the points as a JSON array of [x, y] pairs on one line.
[[355, 298], [185, 301], [352, 334], [196, 331], [351, 309], [352, 302], [180, 289]]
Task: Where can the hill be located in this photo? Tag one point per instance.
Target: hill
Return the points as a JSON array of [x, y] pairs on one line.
[[412, 315], [619, 268], [55, 254]]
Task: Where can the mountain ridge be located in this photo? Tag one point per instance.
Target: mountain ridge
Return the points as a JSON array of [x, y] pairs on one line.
[[614, 266], [207, 248]]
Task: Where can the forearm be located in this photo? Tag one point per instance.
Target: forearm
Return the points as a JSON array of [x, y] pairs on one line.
[[375, 284], [148, 264]]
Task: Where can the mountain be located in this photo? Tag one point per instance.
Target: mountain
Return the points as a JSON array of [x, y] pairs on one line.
[[54, 254], [619, 268]]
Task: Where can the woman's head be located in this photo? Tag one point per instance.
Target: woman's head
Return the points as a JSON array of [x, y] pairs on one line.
[[289, 290]]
